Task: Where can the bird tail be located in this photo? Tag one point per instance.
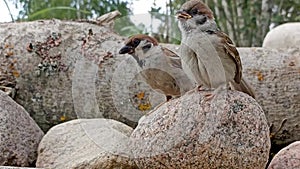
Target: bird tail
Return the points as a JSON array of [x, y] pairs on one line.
[[244, 86]]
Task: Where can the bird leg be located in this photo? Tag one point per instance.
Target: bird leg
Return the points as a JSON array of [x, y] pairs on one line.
[[211, 95], [199, 88], [196, 89]]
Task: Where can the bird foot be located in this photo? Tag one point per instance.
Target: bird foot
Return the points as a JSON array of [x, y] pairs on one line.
[[209, 96], [204, 89], [198, 89], [211, 93]]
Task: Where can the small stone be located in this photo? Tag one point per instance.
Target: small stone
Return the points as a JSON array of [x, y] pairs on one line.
[[86, 143], [19, 134], [287, 158]]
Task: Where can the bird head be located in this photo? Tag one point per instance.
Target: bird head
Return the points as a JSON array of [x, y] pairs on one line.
[[138, 46], [195, 15]]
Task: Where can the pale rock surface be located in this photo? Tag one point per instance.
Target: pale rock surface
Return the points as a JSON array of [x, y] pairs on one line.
[[283, 36], [287, 158], [275, 77], [19, 134], [230, 131], [86, 143]]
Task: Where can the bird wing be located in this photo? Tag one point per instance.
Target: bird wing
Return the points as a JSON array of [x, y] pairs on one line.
[[231, 50], [172, 58]]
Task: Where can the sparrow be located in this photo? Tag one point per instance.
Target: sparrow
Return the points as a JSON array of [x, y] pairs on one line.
[[208, 55], [160, 67]]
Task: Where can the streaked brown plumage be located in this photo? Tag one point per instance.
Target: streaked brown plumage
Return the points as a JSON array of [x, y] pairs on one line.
[[208, 55], [161, 68]]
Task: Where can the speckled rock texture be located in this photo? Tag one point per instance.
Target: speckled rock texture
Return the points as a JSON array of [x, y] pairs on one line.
[[67, 70], [19, 134], [275, 77], [287, 158], [86, 143], [229, 131], [283, 36]]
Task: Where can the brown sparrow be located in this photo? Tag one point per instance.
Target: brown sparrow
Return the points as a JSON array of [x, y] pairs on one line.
[[208, 55], [161, 68]]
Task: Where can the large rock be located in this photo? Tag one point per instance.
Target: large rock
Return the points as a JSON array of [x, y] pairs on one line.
[[86, 143], [287, 158], [275, 77], [230, 131], [19, 134], [283, 36]]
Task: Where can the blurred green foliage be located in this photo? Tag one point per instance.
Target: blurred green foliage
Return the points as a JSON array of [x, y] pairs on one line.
[[69, 9], [245, 21], [77, 9]]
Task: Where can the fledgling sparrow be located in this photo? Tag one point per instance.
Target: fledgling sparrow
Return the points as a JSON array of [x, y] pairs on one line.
[[161, 68], [208, 55]]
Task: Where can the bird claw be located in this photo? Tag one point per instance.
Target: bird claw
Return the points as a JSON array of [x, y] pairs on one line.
[[203, 89], [208, 97], [199, 89]]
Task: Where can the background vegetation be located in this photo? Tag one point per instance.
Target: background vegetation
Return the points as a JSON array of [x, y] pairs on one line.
[[246, 21]]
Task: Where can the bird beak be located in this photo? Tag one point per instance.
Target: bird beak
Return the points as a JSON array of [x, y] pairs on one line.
[[126, 49], [183, 15]]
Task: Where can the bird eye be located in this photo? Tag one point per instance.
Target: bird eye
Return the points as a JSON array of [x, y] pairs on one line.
[[202, 20], [136, 42], [194, 12], [146, 47]]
